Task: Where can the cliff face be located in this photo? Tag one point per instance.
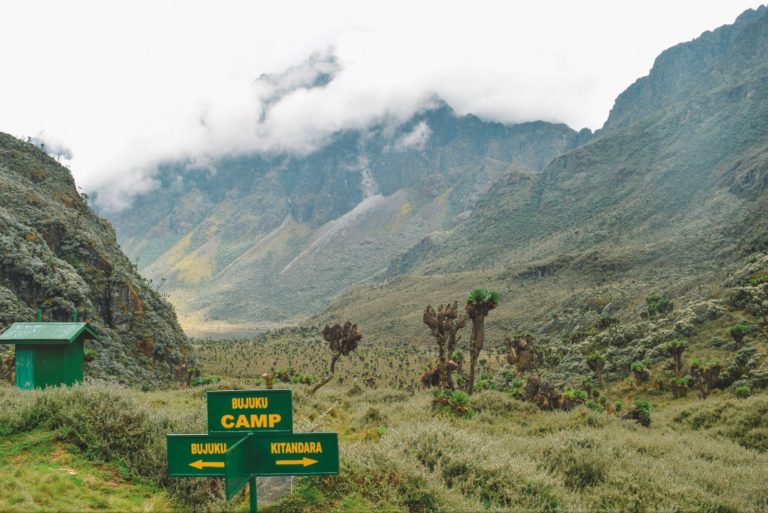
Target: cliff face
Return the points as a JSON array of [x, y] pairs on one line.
[[56, 255], [719, 58], [669, 196], [676, 178]]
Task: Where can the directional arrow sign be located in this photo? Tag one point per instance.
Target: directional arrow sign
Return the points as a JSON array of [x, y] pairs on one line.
[[201, 464], [295, 454], [198, 455], [304, 462], [250, 411]]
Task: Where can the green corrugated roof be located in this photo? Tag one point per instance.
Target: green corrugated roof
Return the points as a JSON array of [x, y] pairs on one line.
[[45, 332]]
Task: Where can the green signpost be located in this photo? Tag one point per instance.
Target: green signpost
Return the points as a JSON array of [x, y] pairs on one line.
[[250, 434], [237, 465]]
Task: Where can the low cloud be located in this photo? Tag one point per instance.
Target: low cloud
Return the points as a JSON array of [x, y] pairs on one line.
[[283, 77], [52, 146], [416, 139]]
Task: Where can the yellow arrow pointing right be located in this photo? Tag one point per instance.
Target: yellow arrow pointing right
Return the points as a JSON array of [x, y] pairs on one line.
[[200, 464], [304, 462]]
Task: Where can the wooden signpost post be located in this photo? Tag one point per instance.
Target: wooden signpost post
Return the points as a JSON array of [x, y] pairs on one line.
[[250, 434]]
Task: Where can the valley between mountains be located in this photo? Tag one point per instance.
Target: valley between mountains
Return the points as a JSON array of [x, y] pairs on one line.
[[616, 280]]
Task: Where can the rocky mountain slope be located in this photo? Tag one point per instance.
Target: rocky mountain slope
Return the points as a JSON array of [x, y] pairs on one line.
[[256, 239], [56, 255], [671, 181], [668, 197]]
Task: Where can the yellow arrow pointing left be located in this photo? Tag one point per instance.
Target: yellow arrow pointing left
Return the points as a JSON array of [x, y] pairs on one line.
[[304, 462], [200, 464]]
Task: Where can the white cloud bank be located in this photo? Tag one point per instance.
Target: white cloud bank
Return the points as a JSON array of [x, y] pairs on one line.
[[126, 85]]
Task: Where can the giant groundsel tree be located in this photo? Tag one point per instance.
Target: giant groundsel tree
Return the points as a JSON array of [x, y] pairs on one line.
[[479, 303]]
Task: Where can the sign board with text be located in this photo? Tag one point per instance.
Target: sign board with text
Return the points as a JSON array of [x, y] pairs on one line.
[[296, 454], [198, 455], [250, 411]]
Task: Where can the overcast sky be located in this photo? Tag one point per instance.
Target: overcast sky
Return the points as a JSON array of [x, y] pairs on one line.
[[124, 85]]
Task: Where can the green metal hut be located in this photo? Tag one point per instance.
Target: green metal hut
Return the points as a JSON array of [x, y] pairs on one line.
[[48, 353]]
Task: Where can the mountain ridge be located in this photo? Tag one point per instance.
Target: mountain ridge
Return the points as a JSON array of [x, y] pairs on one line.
[[337, 216]]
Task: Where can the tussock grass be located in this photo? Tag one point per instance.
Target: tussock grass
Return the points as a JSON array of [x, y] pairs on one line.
[[398, 455], [110, 423], [512, 457], [43, 474]]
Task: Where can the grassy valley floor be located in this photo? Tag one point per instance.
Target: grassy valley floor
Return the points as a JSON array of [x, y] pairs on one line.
[[42, 473], [102, 447]]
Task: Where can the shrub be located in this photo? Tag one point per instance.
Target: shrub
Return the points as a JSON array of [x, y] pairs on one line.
[[455, 401], [580, 466], [641, 413], [575, 395], [743, 392], [89, 354], [592, 405], [679, 386], [203, 380], [517, 389], [108, 423], [485, 383], [640, 372], [590, 388], [418, 497], [739, 331], [658, 304], [605, 322], [706, 375]]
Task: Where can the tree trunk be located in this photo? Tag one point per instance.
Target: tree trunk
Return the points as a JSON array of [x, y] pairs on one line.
[[441, 363], [452, 341], [329, 377], [475, 345]]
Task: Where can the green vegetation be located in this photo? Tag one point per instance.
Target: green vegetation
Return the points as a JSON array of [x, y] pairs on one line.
[[104, 424], [739, 331], [658, 304], [676, 348], [89, 354], [670, 196], [706, 375], [596, 363], [479, 304], [579, 396], [640, 413], [455, 401], [640, 371], [605, 322], [487, 451], [43, 473]]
